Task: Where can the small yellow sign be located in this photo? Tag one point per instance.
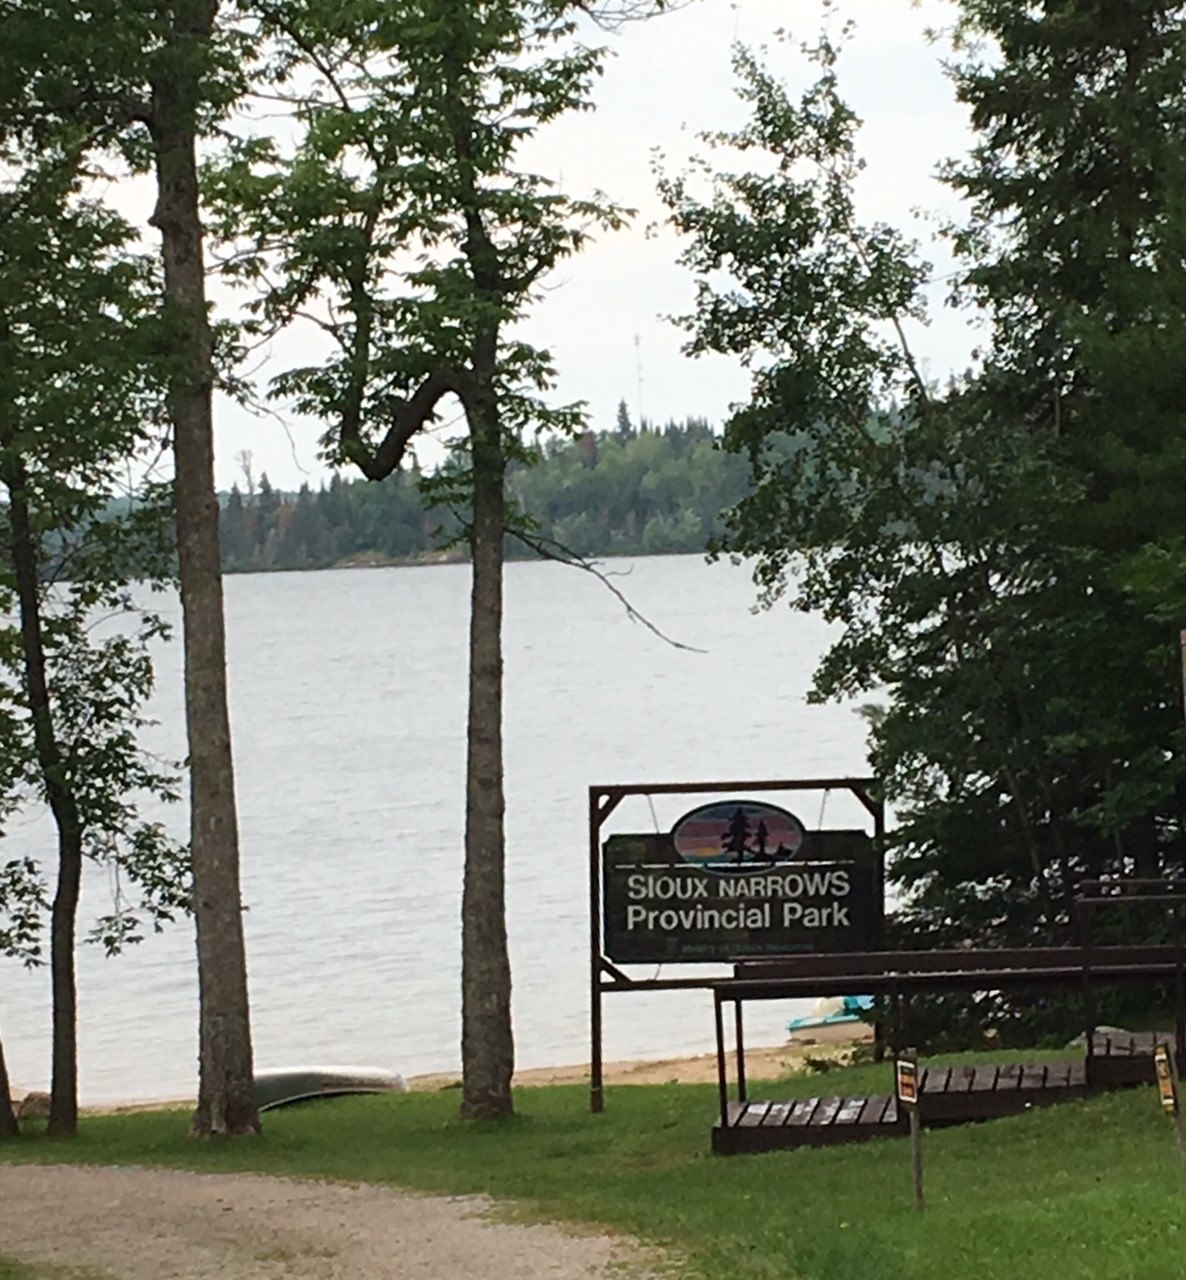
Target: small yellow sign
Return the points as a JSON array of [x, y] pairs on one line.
[[907, 1074], [1165, 1079]]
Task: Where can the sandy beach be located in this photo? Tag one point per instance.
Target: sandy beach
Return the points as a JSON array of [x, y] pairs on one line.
[[761, 1061]]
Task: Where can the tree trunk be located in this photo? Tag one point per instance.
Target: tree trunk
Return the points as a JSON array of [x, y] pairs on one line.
[[63, 1094], [487, 1043], [226, 1094], [9, 1127], [25, 552]]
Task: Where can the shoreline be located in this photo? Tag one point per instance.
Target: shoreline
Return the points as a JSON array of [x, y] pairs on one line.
[[762, 1061]]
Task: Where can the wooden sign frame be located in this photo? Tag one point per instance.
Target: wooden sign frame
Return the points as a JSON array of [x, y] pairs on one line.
[[604, 975]]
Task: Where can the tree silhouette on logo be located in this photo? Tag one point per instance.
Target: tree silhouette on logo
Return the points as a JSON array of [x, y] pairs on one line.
[[736, 836]]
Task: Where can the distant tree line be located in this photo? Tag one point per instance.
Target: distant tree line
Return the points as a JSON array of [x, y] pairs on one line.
[[644, 490]]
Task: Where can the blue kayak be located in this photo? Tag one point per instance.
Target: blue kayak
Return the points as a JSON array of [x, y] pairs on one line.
[[832, 1012]]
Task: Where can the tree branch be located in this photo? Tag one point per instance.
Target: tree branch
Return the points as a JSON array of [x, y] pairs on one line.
[[409, 417], [550, 549], [609, 15]]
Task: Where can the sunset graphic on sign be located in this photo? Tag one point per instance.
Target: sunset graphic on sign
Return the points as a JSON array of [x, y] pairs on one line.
[[737, 835]]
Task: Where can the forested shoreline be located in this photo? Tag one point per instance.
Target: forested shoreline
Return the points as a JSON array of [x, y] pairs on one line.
[[646, 490]]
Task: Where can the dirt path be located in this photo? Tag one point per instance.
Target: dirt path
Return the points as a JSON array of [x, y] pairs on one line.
[[147, 1224]]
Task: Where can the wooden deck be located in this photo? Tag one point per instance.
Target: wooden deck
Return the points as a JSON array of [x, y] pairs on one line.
[[806, 1122], [949, 1095], [1125, 1060], [946, 1095]]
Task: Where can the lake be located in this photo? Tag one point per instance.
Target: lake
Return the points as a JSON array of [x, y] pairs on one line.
[[348, 713]]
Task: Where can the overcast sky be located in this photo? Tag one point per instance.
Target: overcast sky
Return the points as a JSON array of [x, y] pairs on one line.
[[604, 314]]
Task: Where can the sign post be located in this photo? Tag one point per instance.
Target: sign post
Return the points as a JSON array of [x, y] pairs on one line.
[[1168, 1086], [907, 1089]]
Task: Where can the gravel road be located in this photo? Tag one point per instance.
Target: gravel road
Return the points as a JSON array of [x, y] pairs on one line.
[[148, 1224]]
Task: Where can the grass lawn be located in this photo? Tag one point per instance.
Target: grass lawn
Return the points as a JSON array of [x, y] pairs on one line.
[[1082, 1191], [10, 1270]]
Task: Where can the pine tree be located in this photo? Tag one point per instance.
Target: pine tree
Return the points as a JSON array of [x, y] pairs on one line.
[[232, 532]]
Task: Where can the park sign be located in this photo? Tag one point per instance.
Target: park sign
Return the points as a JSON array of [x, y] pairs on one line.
[[738, 878]]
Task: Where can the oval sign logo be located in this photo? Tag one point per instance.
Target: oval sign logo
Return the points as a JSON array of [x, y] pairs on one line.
[[735, 836]]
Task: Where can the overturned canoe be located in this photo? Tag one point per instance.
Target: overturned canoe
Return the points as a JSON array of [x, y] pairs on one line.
[[288, 1085]]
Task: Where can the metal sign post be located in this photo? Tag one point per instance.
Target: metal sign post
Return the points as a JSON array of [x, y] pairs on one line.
[[1169, 1087], [907, 1089]]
